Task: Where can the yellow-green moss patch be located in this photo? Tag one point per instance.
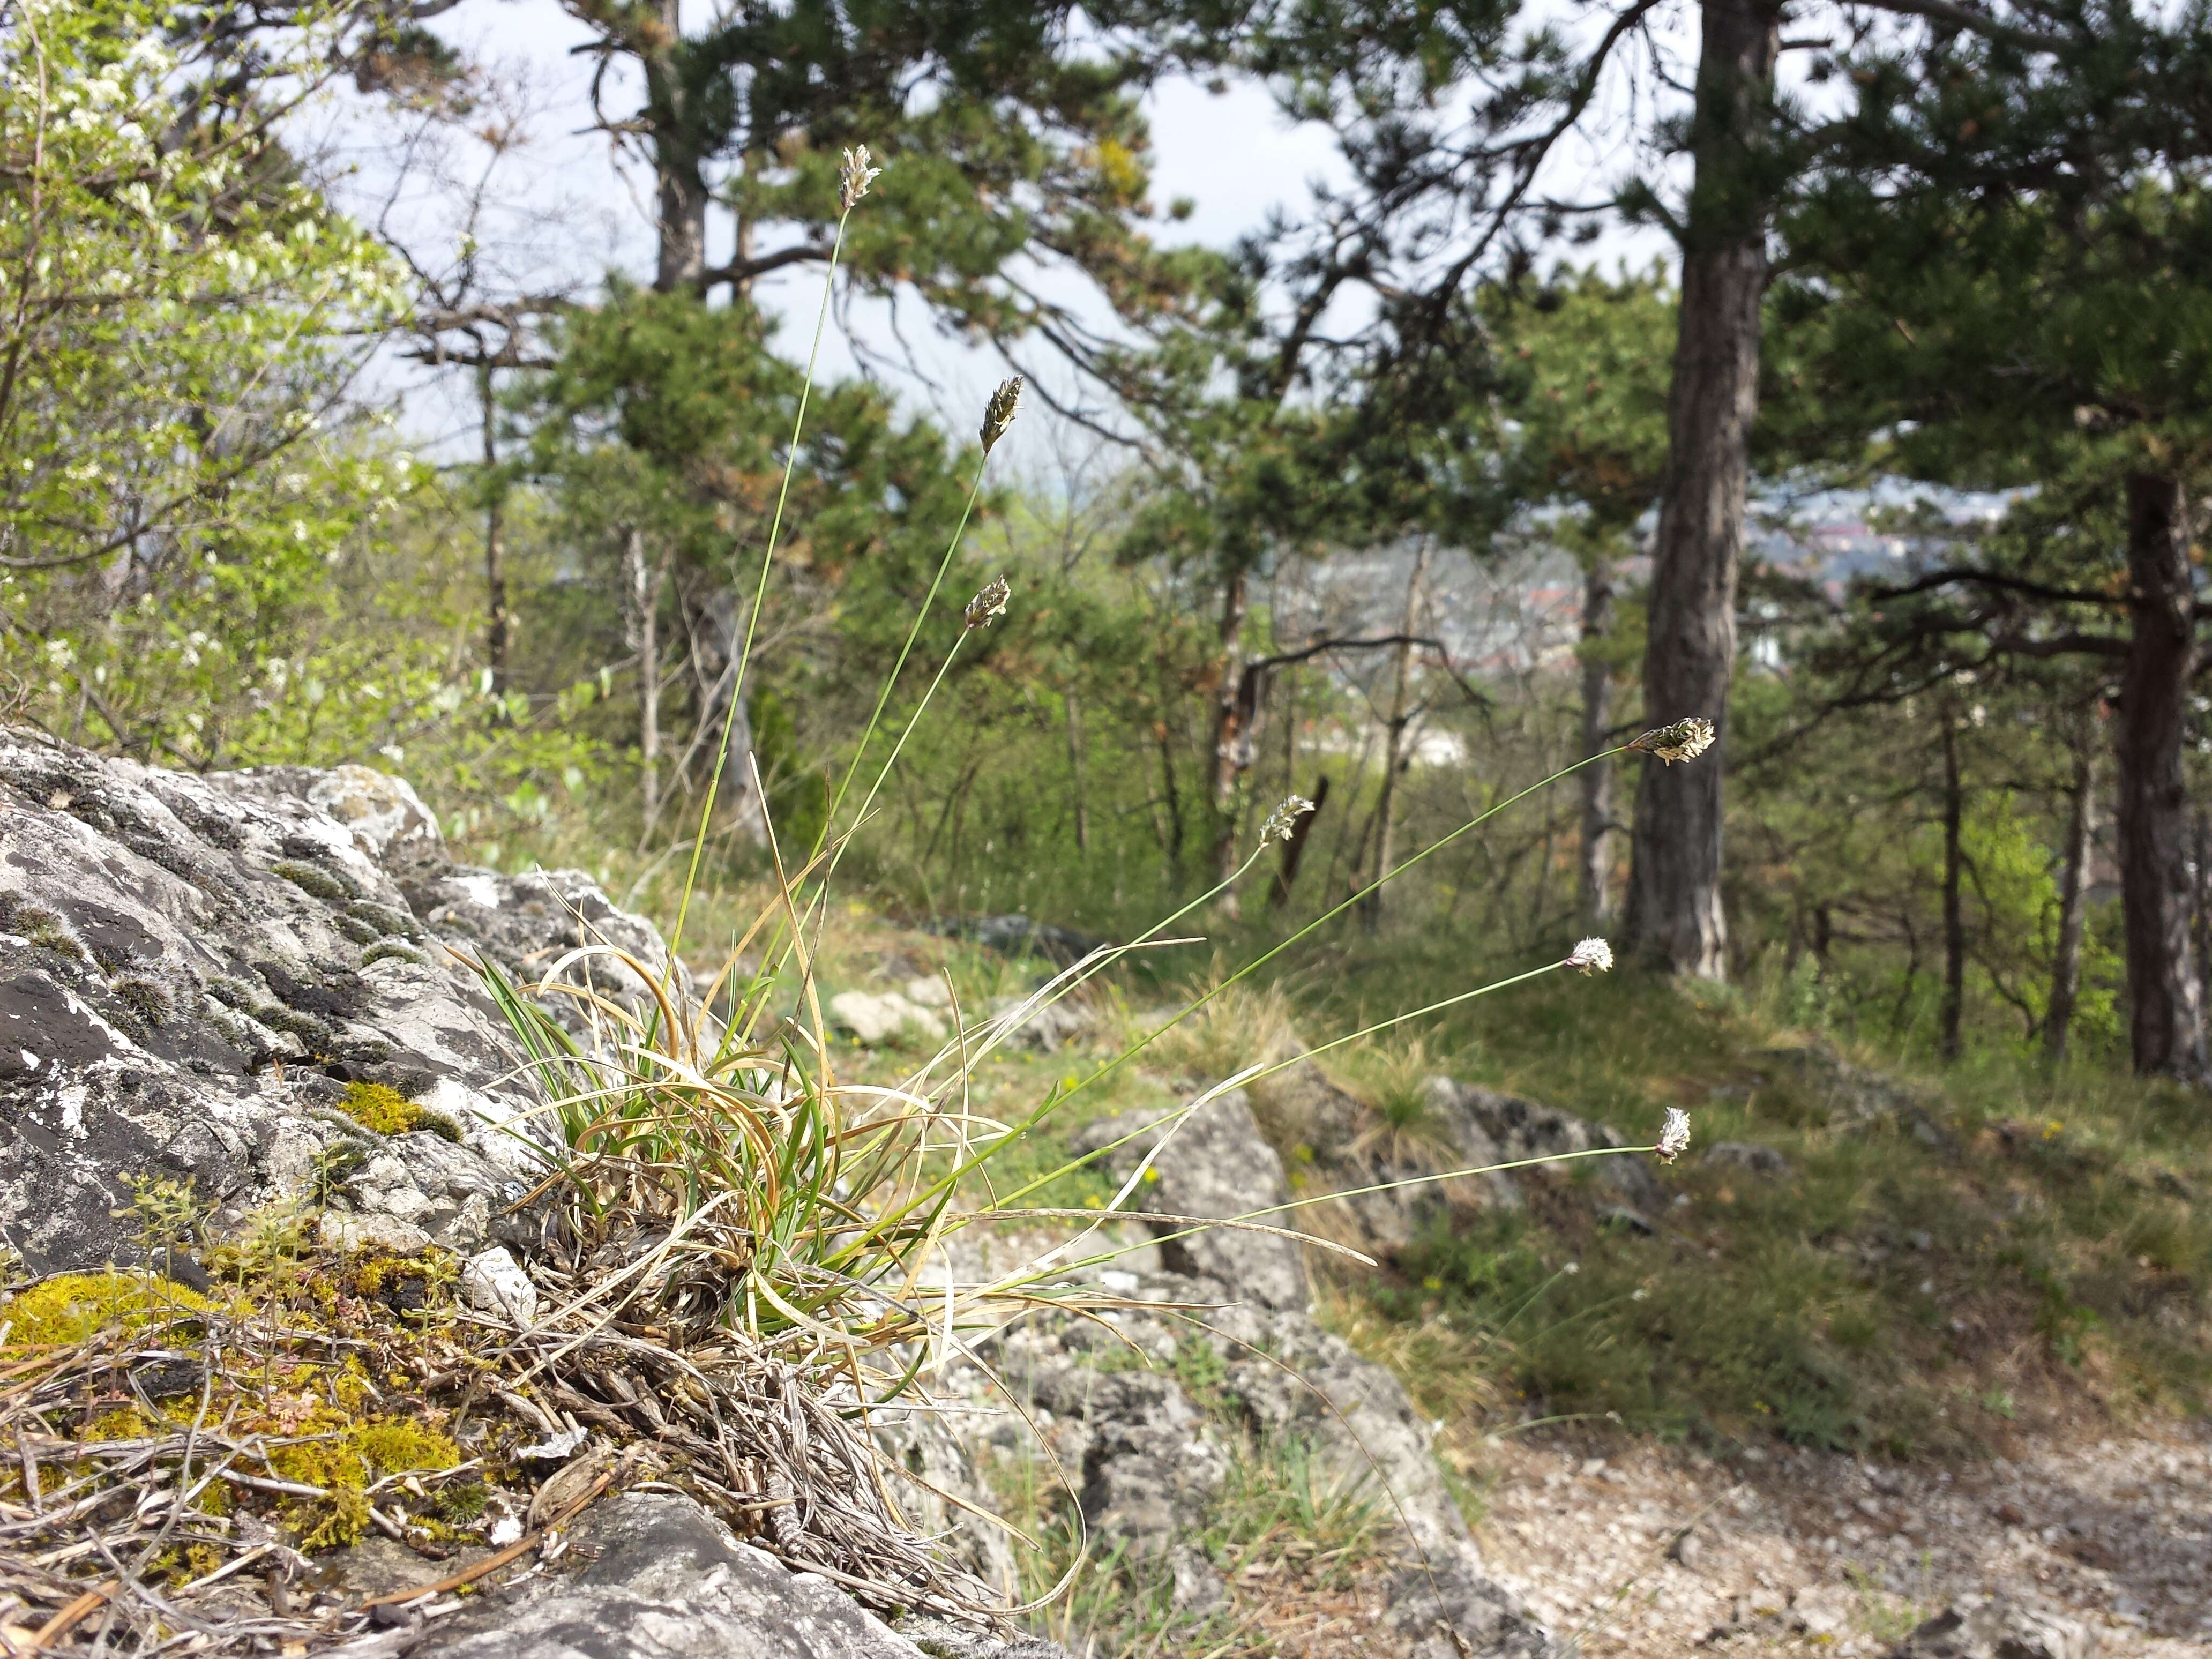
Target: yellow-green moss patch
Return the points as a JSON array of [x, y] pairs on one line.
[[355, 1458], [73, 1306], [380, 1107]]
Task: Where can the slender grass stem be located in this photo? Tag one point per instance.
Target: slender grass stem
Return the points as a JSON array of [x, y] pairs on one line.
[[890, 680], [760, 594], [1331, 914], [1055, 1101]]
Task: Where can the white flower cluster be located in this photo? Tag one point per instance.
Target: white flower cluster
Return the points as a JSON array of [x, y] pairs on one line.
[[1592, 956], [1284, 819]]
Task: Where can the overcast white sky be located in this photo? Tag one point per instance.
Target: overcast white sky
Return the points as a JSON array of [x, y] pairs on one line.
[[561, 210]]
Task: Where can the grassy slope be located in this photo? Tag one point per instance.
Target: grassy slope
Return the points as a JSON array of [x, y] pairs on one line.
[[2044, 1259]]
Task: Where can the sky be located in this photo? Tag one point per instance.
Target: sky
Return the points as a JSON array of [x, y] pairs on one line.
[[558, 210]]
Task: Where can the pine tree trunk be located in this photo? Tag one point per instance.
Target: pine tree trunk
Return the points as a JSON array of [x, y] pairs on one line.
[[1294, 850], [1232, 734], [1596, 863], [2200, 829], [2165, 1003], [680, 194], [1394, 749], [1952, 1014], [2073, 909], [1675, 920]]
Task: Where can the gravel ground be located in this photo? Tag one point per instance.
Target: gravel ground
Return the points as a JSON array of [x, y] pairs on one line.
[[1650, 1551]]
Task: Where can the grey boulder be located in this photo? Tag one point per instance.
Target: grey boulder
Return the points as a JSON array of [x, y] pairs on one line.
[[193, 969], [661, 1578]]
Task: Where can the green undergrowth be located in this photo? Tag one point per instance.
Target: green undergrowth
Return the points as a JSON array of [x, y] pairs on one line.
[[1993, 1245]]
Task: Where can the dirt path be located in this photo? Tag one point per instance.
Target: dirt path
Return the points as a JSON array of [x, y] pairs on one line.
[[1807, 1552]]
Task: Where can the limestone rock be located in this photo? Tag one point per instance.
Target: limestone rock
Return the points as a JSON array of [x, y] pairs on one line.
[[1150, 1453], [1521, 1129], [494, 1282], [1147, 1465], [1998, 1630], [1019, 936], [1214, 1164], [193, 969], [877, 1017], [1044, 1028], [1747, 1156], [663, 1579]]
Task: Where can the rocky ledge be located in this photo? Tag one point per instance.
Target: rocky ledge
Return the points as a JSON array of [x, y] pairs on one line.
[[259, 983], [264, 986]]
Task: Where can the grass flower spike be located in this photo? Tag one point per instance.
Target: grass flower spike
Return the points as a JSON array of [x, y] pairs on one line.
[[1281, 822], [1674, 1135], [1592, 956], [998, 414], [988, 604], [1685, 741], [854, 178]]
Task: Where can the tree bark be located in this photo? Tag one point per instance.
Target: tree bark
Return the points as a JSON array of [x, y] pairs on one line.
[[1232, 733], [1294, 850], [1675, 920], [680, 194], [2073, 908], [2200, 827], [644, 583], [1370, 907], [1951, 1016], [495, 550], [2165, 1002], [1596, 863], [716, 624]]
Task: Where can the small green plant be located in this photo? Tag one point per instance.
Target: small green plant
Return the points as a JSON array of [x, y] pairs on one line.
[[165, 1215], [1282, 1510], [332, 1172]]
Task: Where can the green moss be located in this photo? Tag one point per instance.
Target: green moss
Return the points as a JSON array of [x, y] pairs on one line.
[[384, 1109], [315, 880], [393, 950], [384, 918], [45, 929], [356, 1456], [462, 1502], [73, 1306]]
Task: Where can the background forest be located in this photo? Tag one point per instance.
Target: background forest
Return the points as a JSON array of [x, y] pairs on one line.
[[1893, 464]]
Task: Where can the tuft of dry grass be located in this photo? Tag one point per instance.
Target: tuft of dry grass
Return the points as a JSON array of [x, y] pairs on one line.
[[1234, 1026]]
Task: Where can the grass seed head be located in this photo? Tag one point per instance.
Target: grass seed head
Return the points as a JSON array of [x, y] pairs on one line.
[[1284, 819], [1592, 956], [1674, 1135], [854, 178], [989, 603], [998, 414], [1685, 741]]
